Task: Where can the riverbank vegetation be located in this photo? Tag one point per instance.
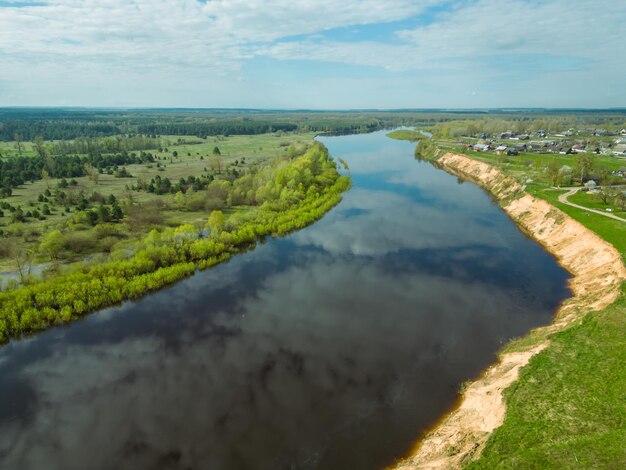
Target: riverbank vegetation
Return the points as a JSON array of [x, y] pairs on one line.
[[406, 134], [281, 195]]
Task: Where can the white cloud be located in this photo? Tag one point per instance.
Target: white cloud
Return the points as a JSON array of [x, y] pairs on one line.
[[188, 52], [179, 32]]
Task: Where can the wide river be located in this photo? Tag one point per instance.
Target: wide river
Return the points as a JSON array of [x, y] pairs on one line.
[[332, 348]]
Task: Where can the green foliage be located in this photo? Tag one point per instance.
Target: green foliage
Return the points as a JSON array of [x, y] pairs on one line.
[[52, 244], [290, 196], [406, 134]]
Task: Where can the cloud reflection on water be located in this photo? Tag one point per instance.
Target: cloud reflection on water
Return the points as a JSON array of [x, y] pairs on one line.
[[331, 348]]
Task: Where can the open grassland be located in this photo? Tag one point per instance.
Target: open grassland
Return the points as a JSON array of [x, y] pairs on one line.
[[179, 157]]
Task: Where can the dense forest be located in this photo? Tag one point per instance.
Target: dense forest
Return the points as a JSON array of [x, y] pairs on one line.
[[65, 124]]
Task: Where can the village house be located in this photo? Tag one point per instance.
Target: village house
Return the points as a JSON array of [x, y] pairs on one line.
[[619, 149], [620, 172], [579, 148], [481, 147], [501, 150]]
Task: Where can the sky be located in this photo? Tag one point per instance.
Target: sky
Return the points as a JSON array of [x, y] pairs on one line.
[[313, 54]]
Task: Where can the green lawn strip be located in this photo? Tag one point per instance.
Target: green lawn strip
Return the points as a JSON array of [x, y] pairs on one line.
[[592, 201], [610, 230]]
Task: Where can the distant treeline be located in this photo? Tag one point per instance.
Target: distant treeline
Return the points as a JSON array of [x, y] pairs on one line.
[[221, 127], [118, 143], [55, 129], [67, 124], [72, 124]]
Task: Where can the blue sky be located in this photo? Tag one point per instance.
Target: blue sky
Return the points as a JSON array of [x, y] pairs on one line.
[[318, 54]]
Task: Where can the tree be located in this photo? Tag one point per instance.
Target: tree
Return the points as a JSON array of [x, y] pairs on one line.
[[216, 150], [604, 195], [116, 211], [92, 173], [19, 146], [216, 163], [583, 166], [40, 146], [620, 200], [22, 257], [46, 177], [179, 200], [553, 172], [215, 222], [104, 215], [52, 245]]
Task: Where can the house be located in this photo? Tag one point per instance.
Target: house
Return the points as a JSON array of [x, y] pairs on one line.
[[621, 172], [512, 151], [506, 135], [501, 150], [565, 150], [579, 148], [524, 137], [619, 149], [521, 148], [481, 147], [541, 133]]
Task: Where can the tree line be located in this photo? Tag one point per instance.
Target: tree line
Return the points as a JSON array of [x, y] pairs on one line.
[[16, 171]]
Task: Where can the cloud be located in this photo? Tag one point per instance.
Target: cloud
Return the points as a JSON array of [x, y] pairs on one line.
[[433, 52]]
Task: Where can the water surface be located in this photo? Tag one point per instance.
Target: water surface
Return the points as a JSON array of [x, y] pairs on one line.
[[331, 348]]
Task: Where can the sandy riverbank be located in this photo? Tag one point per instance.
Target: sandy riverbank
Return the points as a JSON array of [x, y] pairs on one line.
[[598, 272]]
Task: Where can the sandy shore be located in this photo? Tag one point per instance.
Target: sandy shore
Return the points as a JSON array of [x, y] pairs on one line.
[[598, 272]]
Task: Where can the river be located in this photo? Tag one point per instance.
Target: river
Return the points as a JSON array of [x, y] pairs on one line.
[[331, 348]]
